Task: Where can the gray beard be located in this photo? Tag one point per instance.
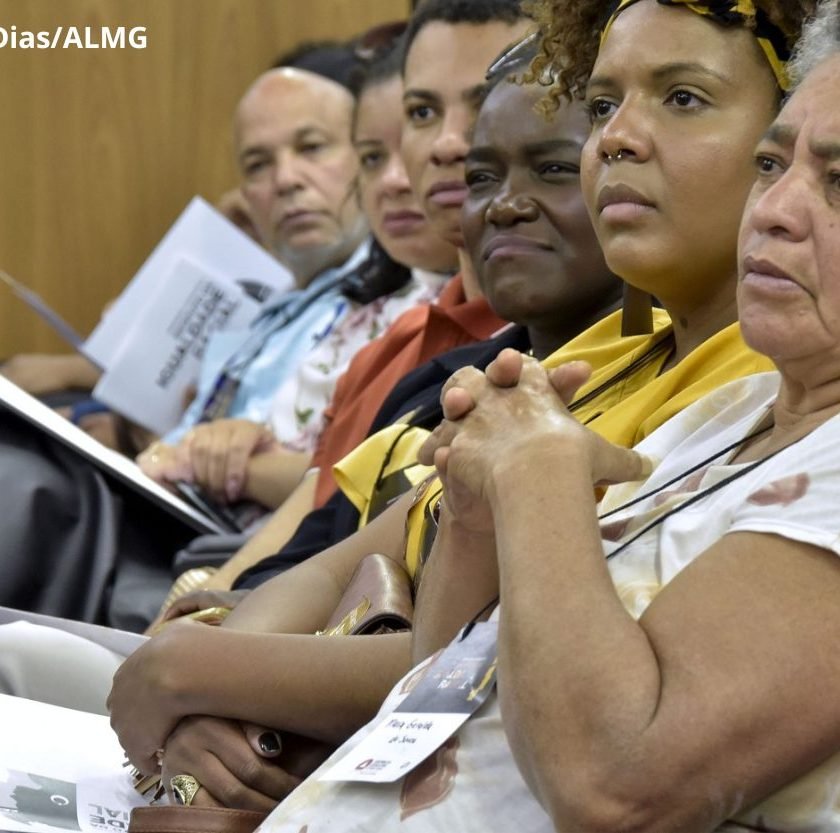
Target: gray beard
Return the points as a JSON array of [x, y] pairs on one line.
[[307, 264]]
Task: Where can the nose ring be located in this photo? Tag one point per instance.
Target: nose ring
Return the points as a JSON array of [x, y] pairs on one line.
[[614, 157]]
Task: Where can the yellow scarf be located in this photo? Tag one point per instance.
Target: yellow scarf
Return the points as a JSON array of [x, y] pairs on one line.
[[625, 399]]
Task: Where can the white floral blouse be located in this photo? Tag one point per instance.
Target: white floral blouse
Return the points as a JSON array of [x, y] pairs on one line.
[[296, 416]]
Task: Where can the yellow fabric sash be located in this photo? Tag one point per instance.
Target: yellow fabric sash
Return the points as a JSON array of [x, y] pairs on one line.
[[623, 411]]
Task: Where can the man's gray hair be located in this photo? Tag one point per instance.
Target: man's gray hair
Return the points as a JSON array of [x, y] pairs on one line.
[[820, 39]]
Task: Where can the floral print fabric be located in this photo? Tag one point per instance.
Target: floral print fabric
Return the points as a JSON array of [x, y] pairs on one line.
[[297, 410]]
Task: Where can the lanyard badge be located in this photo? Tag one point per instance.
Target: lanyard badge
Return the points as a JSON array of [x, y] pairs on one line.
[[451, 690], [218, 403]]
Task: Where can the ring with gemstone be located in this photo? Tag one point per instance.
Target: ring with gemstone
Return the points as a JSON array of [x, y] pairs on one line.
[[184, 788]]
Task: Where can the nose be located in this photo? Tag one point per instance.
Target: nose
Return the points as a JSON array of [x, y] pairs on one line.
[[451, 143], [287, 173], [780, 208], [510, 207], [625, 135], [394, 179]]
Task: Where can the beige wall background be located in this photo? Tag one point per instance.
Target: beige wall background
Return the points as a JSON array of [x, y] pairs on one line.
[[100, 150]]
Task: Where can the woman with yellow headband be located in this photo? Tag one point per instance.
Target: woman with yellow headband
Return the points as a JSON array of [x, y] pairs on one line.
[[678, 96]]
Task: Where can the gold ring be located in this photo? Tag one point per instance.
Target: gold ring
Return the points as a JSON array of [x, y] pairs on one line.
[[184, 788]]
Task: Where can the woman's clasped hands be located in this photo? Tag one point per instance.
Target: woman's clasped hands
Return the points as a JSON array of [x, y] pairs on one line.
[[502, 425], [166, 727]]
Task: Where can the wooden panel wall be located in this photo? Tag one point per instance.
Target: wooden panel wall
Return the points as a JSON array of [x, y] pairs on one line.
[[101, 149]]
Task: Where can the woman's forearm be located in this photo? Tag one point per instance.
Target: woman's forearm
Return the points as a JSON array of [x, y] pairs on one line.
[[299, 600], [460, 578], [263, 664], [576, 672], [323, 687], [273, 475]]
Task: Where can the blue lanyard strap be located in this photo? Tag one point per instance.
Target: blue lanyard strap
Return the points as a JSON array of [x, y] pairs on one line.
[[228, 381]]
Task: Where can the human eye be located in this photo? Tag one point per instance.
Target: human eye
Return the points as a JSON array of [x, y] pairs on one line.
[[684, 99], [311, 147], [558, 170], [254, 167], [766, 165], [476, 178], [600, 109], [419, 113], [370, 160]]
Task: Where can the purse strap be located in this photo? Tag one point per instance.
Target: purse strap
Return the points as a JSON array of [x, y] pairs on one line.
[[161, 818]]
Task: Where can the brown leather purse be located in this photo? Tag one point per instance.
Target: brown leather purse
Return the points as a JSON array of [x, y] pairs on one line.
[[377, 600]]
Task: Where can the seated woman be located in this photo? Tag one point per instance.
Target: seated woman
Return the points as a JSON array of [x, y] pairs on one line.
[[666, 659]]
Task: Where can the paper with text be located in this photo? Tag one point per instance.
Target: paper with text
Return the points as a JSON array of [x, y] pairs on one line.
[[61, 770], [448, 692], [210, 240], [158, 362]]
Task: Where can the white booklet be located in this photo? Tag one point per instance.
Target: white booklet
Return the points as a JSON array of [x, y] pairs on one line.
[[210, 240], [205, 274], [60, 770], [111, 462], [158, 361]]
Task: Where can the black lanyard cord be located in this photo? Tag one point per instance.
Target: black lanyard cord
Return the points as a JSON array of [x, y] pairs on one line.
[[474, 621], [686, 503], [638, 363], [683, 474], [693, 499]]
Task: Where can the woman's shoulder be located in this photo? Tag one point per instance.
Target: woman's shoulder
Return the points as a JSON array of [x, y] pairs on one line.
[[728, 410]]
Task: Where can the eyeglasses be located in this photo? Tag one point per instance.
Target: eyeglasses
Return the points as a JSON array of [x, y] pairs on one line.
[[375, 42], [518, 52]]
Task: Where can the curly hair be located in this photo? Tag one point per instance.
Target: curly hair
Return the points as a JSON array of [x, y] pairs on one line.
[[571, 38]]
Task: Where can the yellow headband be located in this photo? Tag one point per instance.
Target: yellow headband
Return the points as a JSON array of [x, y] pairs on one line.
[[772, 40]]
